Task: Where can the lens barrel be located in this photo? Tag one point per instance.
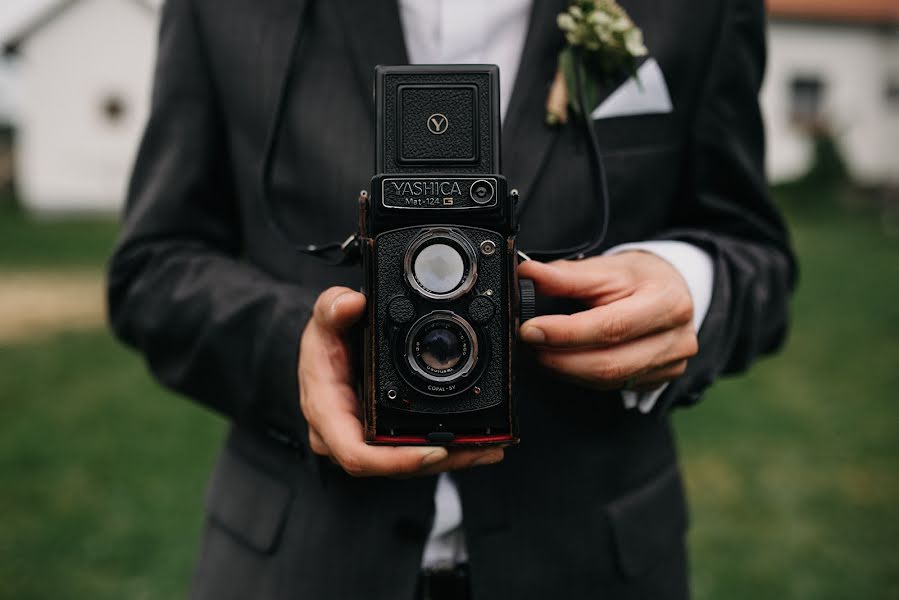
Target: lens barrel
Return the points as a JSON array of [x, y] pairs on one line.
[[442, 347]]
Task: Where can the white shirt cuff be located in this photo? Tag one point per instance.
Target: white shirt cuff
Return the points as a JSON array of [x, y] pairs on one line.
[[695, 266]]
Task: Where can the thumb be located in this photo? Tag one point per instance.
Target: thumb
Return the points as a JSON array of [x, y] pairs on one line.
[[565, 278], [338, 308]]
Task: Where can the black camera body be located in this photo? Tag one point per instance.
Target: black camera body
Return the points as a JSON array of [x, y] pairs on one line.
[[440, 263]]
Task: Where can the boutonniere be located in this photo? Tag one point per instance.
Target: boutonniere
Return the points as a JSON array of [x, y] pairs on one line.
[[602, 43]]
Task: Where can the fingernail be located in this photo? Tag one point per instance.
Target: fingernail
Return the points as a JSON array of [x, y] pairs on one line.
[[532, 335], [335, 302], [488, 459], [434, 456]]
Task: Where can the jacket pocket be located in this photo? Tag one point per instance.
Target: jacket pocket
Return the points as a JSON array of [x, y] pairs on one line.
[[247, 502], [649, 523]]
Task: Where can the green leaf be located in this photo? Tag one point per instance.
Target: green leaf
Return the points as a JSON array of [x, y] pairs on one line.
[[569, 60]]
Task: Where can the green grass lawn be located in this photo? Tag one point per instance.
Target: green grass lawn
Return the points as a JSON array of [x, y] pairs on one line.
[[54, 243], [101, 474], [791, 470]]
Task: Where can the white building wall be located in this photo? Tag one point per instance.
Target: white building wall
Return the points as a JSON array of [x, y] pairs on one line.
[[7, 93], [70, 156], [855, 62]]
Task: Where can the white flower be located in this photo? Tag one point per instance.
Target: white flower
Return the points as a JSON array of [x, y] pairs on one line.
[[622, 24], [602, 32], [603, 29], [566, 22], [633, 42], [599, 18], [605, 36]]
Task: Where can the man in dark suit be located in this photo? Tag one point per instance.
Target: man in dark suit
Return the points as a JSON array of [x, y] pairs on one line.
[[590, 504]]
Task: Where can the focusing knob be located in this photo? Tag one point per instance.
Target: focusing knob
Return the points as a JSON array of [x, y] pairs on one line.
[[528, 306]]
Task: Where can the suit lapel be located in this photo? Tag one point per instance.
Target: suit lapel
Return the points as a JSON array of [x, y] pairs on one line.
[[280, 26], [375, 38], [526, 138]]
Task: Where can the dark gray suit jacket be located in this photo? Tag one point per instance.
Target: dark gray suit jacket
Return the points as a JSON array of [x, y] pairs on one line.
[[590, 503]]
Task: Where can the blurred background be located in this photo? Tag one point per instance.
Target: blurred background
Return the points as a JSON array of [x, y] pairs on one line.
[[792, 470]]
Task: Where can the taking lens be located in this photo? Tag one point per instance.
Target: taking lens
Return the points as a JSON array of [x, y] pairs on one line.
[[440, 349]]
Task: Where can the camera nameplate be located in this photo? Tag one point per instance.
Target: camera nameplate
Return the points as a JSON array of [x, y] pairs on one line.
[[434, 193]]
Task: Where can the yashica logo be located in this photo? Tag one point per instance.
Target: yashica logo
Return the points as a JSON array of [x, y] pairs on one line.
[[438, 123]]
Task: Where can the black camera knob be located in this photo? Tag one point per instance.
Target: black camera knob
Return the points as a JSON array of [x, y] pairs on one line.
[[481, 310], [528, 296], [481, 191], [400, 310]]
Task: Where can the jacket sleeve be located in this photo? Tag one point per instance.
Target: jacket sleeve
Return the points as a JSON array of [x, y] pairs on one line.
[[210, 326], [726, 210]]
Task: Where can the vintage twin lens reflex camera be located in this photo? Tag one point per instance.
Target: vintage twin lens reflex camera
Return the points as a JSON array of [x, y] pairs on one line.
[[440, 263]]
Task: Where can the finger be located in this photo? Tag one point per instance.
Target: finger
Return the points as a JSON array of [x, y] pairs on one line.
[[463, 459], [571, 279], [341, 430], [598, 279], [324, 360], [645, 388], [610, 368], [333, 419], [627, 319], [321, 310], [337, 308], [322, 399], [331, 410], [317, 444], [652, 380], [325, 356]]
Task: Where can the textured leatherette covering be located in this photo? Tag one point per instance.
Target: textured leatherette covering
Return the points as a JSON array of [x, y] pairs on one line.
[[454, 92], [389, 249]]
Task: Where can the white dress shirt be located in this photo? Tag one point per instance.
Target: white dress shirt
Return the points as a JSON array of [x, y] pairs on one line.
[[443, 31]]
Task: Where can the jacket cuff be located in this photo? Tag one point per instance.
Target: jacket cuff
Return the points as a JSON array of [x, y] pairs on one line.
[[277, 369]]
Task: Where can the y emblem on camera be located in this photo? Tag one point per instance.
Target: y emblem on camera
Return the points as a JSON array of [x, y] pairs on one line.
[[438, 123]]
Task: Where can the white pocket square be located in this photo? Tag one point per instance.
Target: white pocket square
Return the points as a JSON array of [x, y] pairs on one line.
[[649, 96]]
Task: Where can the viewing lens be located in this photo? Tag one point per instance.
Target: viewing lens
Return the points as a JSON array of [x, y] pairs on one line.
[[439, 268], [441, 349], [440, 264]]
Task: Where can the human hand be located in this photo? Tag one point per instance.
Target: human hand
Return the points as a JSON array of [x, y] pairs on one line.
[[637, 332], [332, 411]]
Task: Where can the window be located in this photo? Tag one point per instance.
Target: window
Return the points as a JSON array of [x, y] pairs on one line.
[[806, 100], [891, 92], [113, 109]]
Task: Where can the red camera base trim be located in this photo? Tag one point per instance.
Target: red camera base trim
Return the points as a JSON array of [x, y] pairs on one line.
[[459, 440]]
